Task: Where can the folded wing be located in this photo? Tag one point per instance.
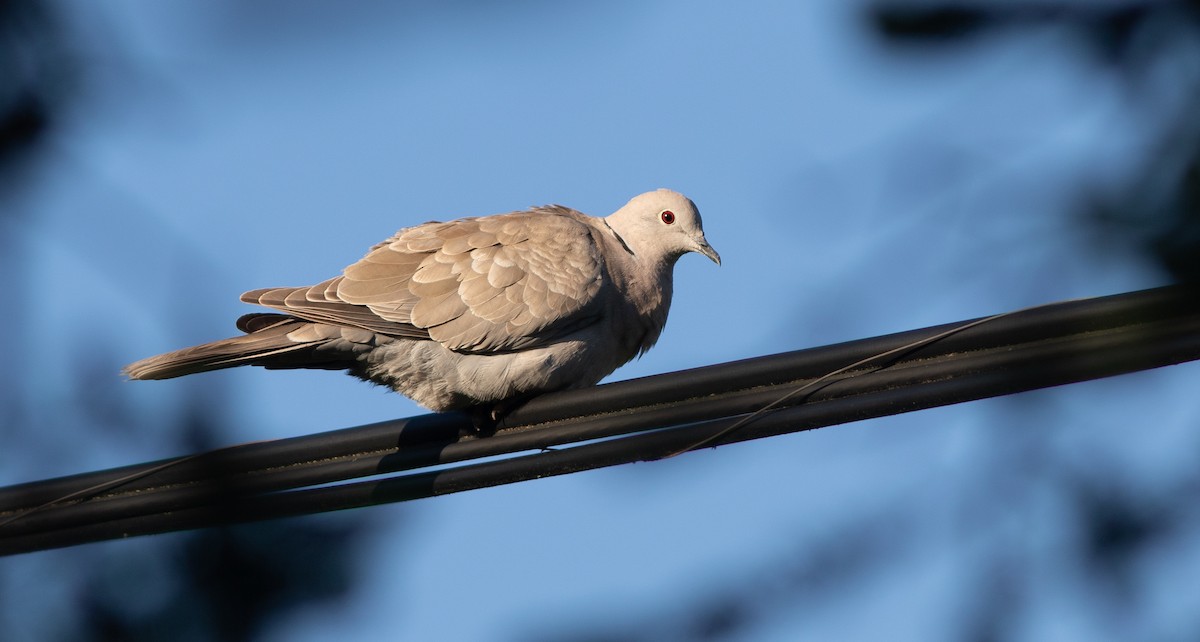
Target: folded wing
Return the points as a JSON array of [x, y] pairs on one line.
[[497, 283]]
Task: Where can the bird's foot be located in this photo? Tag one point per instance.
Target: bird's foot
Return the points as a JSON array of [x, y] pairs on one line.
[[483, 421], [486, 419]]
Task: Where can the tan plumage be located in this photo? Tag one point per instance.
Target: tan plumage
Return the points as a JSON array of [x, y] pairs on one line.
[[476, 310]]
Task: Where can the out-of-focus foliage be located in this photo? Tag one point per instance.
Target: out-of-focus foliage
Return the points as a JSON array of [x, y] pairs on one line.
[[1119, 522], [217, 584], [1012, 519]]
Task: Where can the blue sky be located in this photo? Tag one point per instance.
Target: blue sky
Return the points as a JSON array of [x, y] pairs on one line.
[[852, 189]]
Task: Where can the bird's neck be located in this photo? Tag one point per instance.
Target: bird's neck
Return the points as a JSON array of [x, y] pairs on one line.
[[657, 297], [645, 279]]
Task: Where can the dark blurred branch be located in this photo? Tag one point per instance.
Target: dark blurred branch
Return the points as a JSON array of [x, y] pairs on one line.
[[1147, 39], [1160, 209], [637, 420], [1108, 25], [36, 75], [927, 19]]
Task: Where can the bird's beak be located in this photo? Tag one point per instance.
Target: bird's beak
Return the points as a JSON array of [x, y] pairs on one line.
[[702, 247]]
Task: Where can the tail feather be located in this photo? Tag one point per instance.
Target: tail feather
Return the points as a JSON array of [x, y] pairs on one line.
[[268, 345]]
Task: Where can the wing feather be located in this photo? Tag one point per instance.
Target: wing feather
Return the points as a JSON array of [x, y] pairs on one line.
[[496, 283]]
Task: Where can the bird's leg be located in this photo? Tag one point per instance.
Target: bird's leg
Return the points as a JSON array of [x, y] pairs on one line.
[[482, 421], [487, 418]]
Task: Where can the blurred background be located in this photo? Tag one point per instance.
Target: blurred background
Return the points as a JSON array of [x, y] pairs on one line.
[[864, 167]]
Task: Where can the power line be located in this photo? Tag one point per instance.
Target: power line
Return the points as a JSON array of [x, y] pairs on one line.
[[628, 421]]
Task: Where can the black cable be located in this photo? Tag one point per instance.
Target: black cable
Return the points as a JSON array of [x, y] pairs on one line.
[[1046, 346]]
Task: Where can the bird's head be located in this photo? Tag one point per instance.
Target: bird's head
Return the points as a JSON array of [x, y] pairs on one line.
[[662, 223]]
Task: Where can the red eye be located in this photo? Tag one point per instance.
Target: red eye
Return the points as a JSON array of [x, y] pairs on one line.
[[668, 216]]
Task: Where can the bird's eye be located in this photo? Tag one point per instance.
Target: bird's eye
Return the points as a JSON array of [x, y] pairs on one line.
[[668, 217]]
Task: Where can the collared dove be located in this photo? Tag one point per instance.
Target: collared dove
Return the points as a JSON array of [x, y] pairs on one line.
[[473, 312]]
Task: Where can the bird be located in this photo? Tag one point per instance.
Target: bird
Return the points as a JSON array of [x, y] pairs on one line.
[[476, 314]]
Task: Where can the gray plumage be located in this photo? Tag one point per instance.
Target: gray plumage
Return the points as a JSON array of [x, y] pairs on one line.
[[476, 311]]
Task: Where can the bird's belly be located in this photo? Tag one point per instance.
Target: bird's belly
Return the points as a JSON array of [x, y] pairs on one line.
[[441, 379]]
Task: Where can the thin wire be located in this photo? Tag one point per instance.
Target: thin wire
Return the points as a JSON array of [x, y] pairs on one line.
[[741, 423], [90, 492], [97, 489]]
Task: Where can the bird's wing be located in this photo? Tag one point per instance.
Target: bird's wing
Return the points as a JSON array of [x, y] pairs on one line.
[[319, 303], [496, 283]]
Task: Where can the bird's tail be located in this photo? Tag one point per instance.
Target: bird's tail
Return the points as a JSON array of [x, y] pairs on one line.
[[267, 343]]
